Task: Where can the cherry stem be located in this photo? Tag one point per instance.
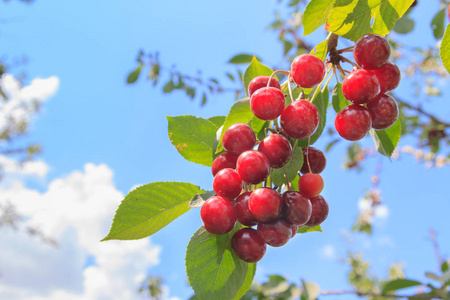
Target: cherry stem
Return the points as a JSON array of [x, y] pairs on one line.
[[290, 87], [273, 74], [307, 154], [349, 61], [339, 67], [328, 81], [245, 187], [320, 84], [335, 73], [348, 49], [270, 177], [288, 184]]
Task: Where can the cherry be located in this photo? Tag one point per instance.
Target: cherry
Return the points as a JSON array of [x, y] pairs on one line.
[[319, 211], [244, 215], [248, 245], [360, 86], [307, 70], [275, 233], [238, 138], [317, 160], [294, 229], [353, 122], [265, 204], [300, 119], [267, 103], [389, 77], [224, 160], [218, 215], [310, 184], [227, 183], [277, 149], [296, 208], [260, 82], [372, 51], [253, 166], [383, 111]]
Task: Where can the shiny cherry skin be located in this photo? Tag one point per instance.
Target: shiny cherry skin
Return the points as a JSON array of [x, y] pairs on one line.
[[277, 149], [360, 86], [383, 111], [265, 204], [227, 183], [238, 138], [267, 103], [319, 211], [275, 233], [253, 166], [388, 76], [294, 229], [300, 119], [353, 122], [244, 215], [224, 160], [317, 160], [296, 208], [248, 245], [218, 215], [310, 184], [307, 70], [372, 51], [260, 82]]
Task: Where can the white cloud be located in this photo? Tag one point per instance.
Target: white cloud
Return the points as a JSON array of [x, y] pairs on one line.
[[13, 167]]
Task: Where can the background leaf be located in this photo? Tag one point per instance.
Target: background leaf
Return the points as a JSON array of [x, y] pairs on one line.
[[398, 284], [306, 229], [386, 140], [134, 75], [199, 199], [255, 69], [445, 49], [438, 24], [292, 167], [338, 99], [404, 25], [242, 59], [316, 14], [320, 50], [321, 103]]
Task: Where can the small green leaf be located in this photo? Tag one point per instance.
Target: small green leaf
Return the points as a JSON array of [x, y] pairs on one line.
[[255, 68], [292, 167], [214, 271], [438, 24], [433, 276], [320, 50], [134, 75], [287, 46], [338, 99], [444, 266], [305, 229], [386, 140], [399, 284], [168, 87], [316, 14], [310, 290], [404, 25], [149, 208], [321, 103], [445, 49], [199, 199], [242, 59]]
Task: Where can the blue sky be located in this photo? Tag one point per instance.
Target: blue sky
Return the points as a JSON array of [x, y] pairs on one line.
[[94, 117]]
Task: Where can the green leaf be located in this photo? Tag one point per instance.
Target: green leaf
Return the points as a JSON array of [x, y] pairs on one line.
[[258, 127], [292, 167], [168, 87], [217, 120], [404, 25], [134, 75], [338, 99], [316, 14], [353, 18], [444, 266], [399, 284], [310, 290], [242, 59], [193, 137], [438, 24], [321, 103], [255, 68], [445, 49], [305, 229], [386, 140], [214, 271], [433, 276], [149, 208], [320, 50], [199, 199], [287, 46]]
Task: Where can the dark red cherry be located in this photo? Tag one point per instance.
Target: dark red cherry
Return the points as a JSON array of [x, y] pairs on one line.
[[238, 138], [277, 149], [267, 103], [360, 86], [319, 211], [389, 77], [296, 208], [294, 229], [260, 82], [300, 119], [253, 166], [275, 233], [307, 70], [244, 215], [383, 111], [372, 51], [227, 183], [218, 215], [265, 204], [353, 122], [224, 160], [317, 160], [248, 245], [310, 184]]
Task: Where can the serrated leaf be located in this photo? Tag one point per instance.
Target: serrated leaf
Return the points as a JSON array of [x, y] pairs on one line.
[[386, 140], [438, 24], [315, 15], [354, 18], [445, 49], [149, 208], [338, 99], [242, 59], [134, 75], [199, 199], [214, 271], [306, 229], [217, 120], [292, 167], [321, 103], [399, 284], [255, 68], [320, 50], [193, 137]]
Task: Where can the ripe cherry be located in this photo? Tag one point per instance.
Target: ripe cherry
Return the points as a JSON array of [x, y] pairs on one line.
[[319, 211], [253, 166], [372, 51], [300, 119], [294, 229], [224, 160], [389, 77], [383, 111], [238, 138], [277, 149], [244, 215], [296, 208], [227, 183], [218, 215], [317, 160], [260, 82], [310, 184], [353, 122], [275, 233], [265, 204], [267, 103], [248, 245], [307, 70], [360, 86]]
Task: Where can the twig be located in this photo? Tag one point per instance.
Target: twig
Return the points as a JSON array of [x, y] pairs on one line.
[[360, 294]]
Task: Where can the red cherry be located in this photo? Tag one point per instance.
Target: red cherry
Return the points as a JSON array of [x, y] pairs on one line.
[[296, 208], [227, 183], [319, 211], [275, 233], [317, 161], [265, 204], [267, 103], [244, 215], [253, 166], [360, 86], [238, 138], [300, 119], [353, 122], [248, 245], [277, 149], [310, 184], [307, 70], [224, 160], [260, 82], [383, 111], [371, 51], [389, 77], [294, 229], [218, 215]]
